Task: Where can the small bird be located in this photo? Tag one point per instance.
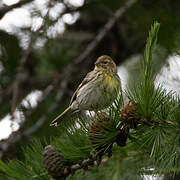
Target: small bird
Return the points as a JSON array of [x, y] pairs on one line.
[[97, 91]]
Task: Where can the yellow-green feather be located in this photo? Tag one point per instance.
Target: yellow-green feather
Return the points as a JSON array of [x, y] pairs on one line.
[[111, 80]]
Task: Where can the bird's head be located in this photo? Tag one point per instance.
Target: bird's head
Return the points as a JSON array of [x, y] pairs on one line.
[[105, 63]]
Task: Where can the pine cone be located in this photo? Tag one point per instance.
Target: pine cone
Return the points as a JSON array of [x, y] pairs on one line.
[[122, 136], [54, 163], [97, 130], [128, 115]]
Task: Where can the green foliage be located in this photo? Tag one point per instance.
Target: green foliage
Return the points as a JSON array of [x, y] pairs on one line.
[[125, 163], [107, 129], [31, 168], [153, 144], [145, 96], [55, 55], [149, 50], [164, 12], [74, 144], [154, 103], [9, 56], [175, 116]]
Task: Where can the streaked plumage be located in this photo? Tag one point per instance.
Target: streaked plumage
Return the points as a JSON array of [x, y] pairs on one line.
[[97, 91]]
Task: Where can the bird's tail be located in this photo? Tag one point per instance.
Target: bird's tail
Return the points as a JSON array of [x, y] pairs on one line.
[[61, 117]]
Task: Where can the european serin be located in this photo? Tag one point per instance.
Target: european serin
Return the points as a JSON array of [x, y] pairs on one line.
[[97, 91]]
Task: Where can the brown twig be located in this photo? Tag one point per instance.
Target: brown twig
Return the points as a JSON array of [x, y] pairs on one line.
[[156, 123], [60, 169], [19, 77], [102, 33], [20, 70]]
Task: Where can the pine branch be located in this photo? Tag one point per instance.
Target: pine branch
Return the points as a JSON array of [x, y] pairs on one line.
[[144, 95], [149, 50], [60, 169], [102, 126]]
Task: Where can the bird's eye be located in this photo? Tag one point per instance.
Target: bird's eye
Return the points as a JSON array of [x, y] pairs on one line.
[[105, 62]]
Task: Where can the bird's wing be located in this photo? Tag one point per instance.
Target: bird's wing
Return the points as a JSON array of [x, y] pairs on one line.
[[91, 75]]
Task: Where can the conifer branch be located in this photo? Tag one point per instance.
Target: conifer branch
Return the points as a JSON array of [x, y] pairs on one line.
[[149, 49], [59, 169], [154, 123], [144, 95]]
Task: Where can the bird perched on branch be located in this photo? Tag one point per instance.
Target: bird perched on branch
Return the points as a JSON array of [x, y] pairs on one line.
[[97, 91]]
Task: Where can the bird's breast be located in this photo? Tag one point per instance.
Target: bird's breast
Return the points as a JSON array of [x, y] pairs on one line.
[[111, 81], [97, 94]]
